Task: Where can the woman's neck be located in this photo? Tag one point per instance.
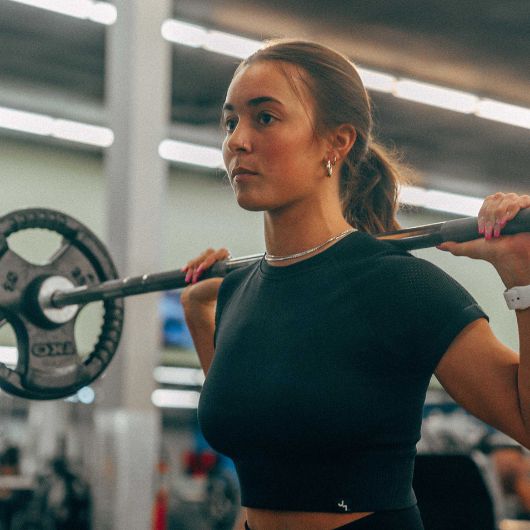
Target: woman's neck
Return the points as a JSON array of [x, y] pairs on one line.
[[289, 232]]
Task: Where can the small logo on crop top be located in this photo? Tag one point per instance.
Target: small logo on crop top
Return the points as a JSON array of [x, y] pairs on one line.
[[342, 504]]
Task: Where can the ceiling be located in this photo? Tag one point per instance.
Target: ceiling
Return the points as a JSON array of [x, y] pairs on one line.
[[481, 46]]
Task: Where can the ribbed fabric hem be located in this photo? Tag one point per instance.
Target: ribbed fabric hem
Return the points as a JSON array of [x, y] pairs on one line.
[[367, 481]]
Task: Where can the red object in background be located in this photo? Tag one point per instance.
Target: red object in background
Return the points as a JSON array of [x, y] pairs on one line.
[[198, 464], [161, 503], [160, 510]]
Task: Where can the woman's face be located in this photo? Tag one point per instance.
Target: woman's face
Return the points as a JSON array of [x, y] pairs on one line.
[[271, 153]]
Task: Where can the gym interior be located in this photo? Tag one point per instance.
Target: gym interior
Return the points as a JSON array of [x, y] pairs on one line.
[[109, 113]]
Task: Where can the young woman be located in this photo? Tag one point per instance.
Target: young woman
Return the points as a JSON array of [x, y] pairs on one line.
[[319, 356]]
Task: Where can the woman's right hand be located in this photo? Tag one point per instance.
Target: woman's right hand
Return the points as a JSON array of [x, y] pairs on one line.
[[205, 291]]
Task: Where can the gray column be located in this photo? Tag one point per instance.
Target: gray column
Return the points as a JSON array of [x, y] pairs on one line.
[[126, 423]]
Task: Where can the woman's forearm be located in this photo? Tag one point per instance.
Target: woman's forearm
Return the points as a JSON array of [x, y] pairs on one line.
[[523, 375], [517, 273]]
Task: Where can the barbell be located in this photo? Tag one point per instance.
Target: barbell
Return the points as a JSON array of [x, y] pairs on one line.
[[43, 301]]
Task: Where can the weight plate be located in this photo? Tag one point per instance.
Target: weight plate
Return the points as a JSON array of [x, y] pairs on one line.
[[49, 366]]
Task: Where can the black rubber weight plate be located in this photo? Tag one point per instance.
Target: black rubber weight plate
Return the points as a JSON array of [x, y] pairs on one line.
[[49, 366]]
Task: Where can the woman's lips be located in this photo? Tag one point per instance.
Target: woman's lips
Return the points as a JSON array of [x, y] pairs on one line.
[[242, 174], [244, 177]]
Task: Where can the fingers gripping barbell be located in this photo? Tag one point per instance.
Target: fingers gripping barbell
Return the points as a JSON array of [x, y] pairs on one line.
[[42, 302]]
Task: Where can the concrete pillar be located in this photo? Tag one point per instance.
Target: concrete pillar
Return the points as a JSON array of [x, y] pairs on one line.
[[126, 423]]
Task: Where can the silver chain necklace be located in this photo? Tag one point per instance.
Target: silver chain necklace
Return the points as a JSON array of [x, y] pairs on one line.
[[270, 257]]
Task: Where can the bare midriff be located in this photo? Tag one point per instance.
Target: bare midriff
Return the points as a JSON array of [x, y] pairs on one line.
[[283, 520]]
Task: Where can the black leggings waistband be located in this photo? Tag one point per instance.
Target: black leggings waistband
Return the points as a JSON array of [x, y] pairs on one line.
[[405, 519]]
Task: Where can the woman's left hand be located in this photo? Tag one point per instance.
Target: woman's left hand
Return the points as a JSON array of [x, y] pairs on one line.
[[510, 255]]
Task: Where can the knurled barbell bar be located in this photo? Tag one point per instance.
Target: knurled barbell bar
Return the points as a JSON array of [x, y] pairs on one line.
[[42, 302]]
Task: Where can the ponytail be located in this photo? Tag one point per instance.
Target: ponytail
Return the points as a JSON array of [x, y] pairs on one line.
[[370, 189]]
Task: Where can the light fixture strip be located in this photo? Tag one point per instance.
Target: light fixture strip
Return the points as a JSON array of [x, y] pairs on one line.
[[43, 125], [188, 153], [175, 399], [100, 12], [440, 201], [174, 375]]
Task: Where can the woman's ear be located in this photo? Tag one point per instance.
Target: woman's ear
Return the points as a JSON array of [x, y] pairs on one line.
[[343, 139]]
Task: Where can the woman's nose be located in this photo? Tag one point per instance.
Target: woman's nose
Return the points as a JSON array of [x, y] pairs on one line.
[[239, 139]]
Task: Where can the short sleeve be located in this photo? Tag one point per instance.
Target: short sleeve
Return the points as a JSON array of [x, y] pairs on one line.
[[229, 284], [417, 309]]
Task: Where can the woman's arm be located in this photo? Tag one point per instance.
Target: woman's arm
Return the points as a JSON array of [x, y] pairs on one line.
[[199, 301], [241, 518], [486, 378], [478, 371], [200, 319]]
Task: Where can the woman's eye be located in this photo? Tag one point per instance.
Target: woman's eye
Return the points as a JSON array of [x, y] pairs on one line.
[[230, 124], [265, 118]]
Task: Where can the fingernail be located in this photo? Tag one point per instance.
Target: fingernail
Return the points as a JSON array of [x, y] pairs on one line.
[[200, 268], [188, 276], [497, 232]]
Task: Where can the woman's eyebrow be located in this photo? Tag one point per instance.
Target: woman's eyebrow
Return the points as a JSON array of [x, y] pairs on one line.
[[254, 102]]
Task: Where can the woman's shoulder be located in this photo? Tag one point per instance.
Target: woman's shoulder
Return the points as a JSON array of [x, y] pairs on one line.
[[387, 260], [367, 247], [238, 276]]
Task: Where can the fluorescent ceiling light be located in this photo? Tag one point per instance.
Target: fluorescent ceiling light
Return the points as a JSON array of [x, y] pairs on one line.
[[42, 125], [101, 12], [170, 375], [25, 121], [437, 96], [82, 133], [440, 201], [176, 399], [191, 154], [232, 45], [373, 80], [214, 41], [503, 112], [183, 33]]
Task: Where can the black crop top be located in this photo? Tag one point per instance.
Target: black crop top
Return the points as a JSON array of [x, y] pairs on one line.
[[320, 372]]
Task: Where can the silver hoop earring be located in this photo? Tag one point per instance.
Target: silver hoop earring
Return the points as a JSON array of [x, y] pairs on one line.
[[329, 168]]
